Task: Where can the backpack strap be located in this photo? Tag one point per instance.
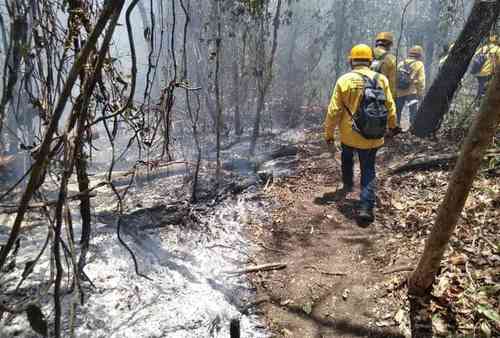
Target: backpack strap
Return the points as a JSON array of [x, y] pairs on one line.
[[364, 78], [407, 67]]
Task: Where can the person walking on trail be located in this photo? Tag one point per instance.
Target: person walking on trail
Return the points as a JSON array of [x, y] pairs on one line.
[[362, 107], [385, 61], [484, 64], [410, 83]]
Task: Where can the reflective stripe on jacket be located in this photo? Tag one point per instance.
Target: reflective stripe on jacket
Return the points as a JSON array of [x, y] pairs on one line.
[[417, 86], [388, 67], [347, 95], [492, 52]]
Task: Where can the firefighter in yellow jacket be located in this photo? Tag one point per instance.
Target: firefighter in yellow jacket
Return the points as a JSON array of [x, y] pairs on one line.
[[348, 96], [385, 61], [411, 82], [487, 59]]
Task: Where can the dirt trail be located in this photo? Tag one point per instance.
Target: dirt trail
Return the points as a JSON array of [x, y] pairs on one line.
[[334, 280]]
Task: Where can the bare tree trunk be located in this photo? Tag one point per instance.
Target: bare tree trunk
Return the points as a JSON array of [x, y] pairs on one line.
[[83, 185], [238, 69], [216, 17], [477, 141], [431, 37], [260, 68], [264, 74], [339, 39], [439, 97], [13, 60]]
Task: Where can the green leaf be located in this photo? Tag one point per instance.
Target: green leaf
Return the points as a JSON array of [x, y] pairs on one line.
[[488, 312]]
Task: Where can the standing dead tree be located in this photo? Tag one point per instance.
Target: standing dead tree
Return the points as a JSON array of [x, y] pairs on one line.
[[70, 143], [18, 34], [263, 68], [440, 95], [469, 162]]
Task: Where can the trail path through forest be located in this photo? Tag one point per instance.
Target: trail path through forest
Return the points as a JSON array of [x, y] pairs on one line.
[[331, 283], [343, 280]]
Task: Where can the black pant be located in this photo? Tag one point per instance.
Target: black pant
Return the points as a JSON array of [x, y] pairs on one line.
[[400, 104], [368, 175], [482, 87]]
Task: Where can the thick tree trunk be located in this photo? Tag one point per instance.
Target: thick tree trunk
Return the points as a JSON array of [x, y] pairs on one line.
[[469, 162], [439, 97]]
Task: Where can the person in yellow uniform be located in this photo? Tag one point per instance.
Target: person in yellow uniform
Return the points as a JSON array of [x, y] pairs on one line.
[[350, 107], [411, 82], [485, 61], [385, 61]]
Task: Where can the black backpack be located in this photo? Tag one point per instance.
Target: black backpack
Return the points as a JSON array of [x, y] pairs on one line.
[[478, 62], [405, 76], [370, 120]]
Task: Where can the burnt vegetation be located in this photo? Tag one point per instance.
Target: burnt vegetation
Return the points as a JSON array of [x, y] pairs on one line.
[[127, 116]]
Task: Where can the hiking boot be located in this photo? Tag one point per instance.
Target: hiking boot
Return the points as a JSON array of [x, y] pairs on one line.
[[365, 216]]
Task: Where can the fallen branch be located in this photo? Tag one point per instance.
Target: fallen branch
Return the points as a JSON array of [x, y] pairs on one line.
[[12, 209], [424, 163], [323, 272], [272, 249], [257, 268], [399, 269]]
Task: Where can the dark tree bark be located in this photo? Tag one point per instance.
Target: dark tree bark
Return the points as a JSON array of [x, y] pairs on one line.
[[438, 99], [468, 165]]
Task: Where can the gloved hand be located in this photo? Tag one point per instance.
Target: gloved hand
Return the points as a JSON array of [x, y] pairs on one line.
[[393, 132], [331, 145]]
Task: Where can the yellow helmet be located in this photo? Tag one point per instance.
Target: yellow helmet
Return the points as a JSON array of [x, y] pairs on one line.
[[385, 36], [493, 38], [361, 52], [416, 51]]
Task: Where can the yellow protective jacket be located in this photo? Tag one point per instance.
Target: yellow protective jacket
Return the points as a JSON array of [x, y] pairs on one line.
[[347, 94], [388, 67], [417, 86], [492, 52]]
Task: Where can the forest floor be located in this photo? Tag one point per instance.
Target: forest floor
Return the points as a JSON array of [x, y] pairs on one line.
[[342, 280]]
